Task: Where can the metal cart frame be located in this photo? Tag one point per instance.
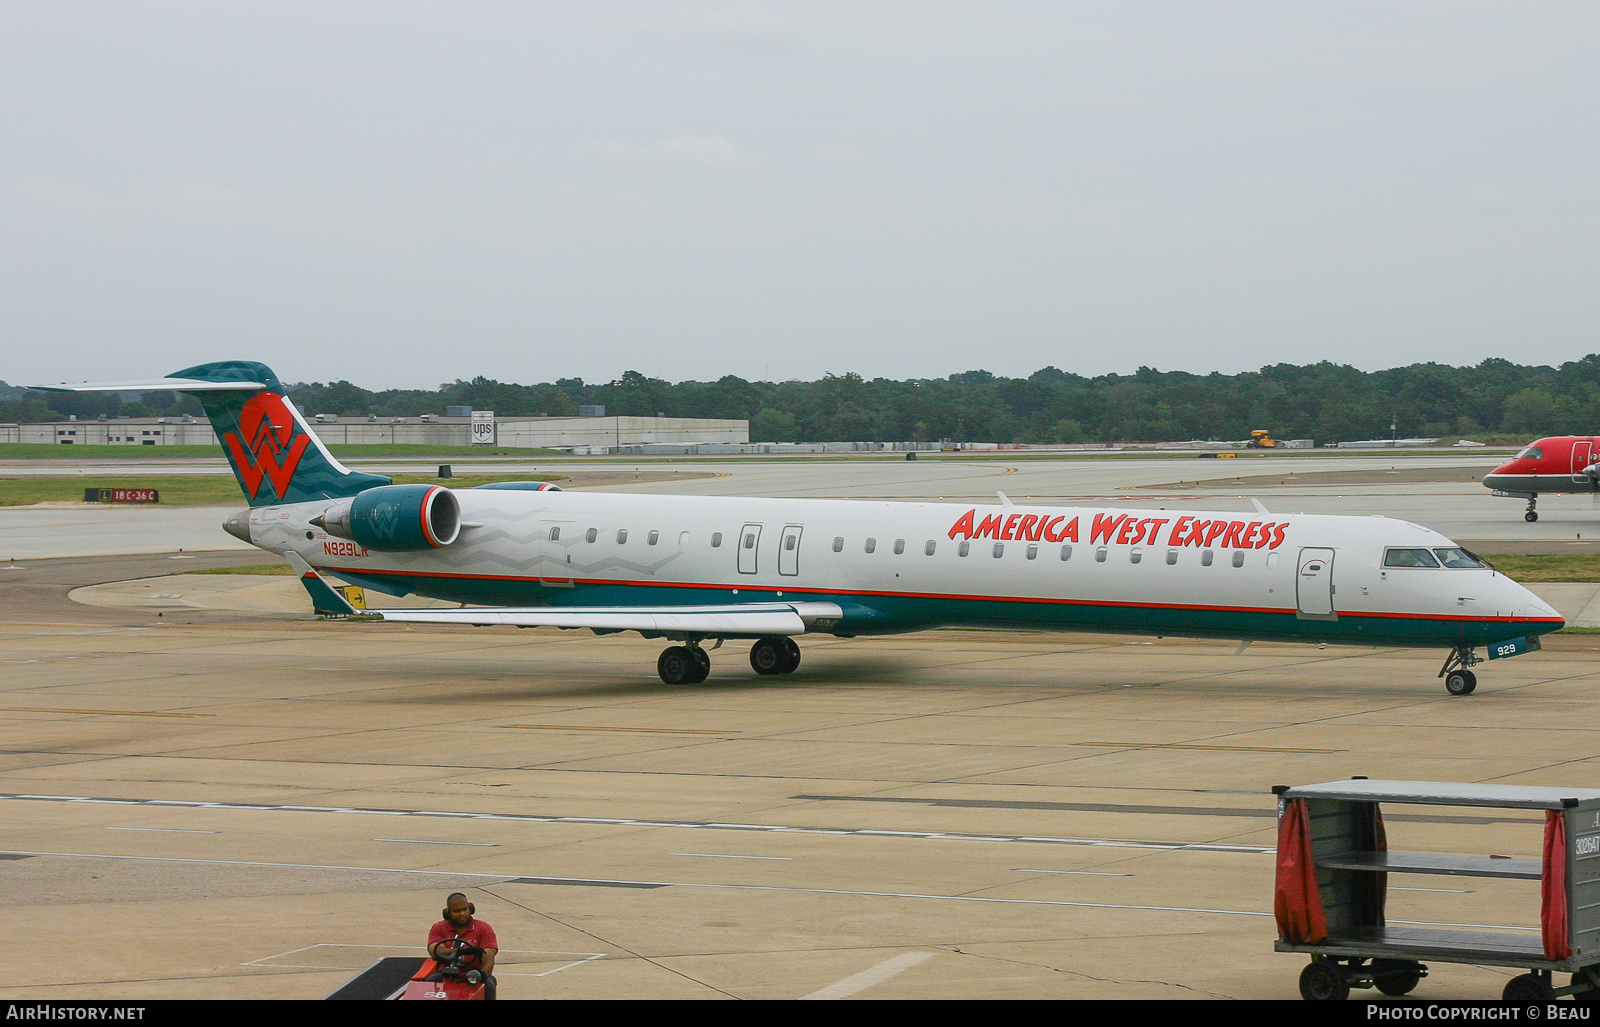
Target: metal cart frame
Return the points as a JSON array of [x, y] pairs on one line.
[[1361, 951]]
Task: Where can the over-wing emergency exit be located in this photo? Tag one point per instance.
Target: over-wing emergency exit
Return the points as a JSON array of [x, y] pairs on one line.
[[702, 569]]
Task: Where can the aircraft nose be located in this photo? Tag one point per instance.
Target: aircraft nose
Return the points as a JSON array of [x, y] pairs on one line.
[[1524, 604]]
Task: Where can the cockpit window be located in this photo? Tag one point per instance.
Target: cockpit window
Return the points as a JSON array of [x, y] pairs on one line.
[[1458, 558], [1409, 558], [1531, 453]]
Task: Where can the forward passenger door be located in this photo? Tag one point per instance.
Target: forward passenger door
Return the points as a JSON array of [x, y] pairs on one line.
[[1314, 585]]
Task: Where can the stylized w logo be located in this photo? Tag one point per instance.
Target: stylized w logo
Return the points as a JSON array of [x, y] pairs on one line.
[[268, 424]]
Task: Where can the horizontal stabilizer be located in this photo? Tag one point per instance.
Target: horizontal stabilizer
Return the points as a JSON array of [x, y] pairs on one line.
[[752, 620], [155, 385]]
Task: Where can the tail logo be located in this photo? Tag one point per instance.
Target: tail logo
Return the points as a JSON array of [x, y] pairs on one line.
[[269, 448]]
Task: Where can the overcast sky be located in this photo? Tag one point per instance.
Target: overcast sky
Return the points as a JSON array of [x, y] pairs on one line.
[[406, 193]]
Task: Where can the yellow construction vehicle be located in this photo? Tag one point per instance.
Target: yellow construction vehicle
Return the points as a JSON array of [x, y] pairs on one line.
[[1262, 439]]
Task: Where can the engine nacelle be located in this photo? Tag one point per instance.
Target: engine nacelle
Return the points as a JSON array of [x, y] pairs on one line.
[[396, 518]]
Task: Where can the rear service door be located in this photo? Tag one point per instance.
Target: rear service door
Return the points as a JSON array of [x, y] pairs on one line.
[[749, 547], [1314, 585], [555, 559], [789, 550]]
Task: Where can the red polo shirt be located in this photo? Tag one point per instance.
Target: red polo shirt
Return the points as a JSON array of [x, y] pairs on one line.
[[477, 932]]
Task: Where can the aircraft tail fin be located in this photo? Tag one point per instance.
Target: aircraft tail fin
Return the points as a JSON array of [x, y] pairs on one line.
[[273, 451]]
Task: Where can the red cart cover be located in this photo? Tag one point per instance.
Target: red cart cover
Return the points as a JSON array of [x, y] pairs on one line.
[[1553, 887], [1296, 901]]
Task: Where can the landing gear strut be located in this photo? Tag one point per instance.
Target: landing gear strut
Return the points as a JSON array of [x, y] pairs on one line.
[[684, 664], [774, 655], [1532, 514], [1457, 672]]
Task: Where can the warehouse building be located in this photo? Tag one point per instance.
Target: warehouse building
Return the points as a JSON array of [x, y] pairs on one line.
[[582, 435]]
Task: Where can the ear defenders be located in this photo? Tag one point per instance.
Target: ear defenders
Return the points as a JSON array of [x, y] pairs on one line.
[[472, 910]]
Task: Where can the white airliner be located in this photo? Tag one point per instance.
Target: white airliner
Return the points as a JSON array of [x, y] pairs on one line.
[[698, 569]]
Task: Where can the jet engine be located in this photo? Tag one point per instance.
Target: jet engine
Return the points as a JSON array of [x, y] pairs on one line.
[[396, 518]]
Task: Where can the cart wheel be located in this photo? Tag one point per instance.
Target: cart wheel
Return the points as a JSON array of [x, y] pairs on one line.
[[1396, 976], [1323, 981], [1528, 988]]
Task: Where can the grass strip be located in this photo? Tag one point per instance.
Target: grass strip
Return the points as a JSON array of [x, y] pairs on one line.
[[191, 489]]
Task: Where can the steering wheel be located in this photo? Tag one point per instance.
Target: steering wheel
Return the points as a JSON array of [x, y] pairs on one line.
[[452, 949]]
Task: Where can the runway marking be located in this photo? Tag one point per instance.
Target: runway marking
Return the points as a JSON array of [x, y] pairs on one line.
[[411, 949], [430, 841], [1085, 873], [873, 975], [640, 730], [728, 855], [162, 830], [1217, 748], [98, 713], [529, 818]]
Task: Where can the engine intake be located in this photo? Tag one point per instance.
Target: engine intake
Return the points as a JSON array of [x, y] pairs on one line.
[[396, 518]]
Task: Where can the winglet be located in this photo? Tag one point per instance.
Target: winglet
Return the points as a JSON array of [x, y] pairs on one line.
[[1260, 507], [1005, 500], [324, 599]]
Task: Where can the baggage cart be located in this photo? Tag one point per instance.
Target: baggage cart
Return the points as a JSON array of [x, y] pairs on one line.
[[1333, 867]]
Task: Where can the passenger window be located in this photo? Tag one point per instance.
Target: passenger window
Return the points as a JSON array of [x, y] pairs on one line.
[[999, 550], [622, 536], [1100, 555], [1238, 558], [899, 546], [1134, 556], [653, 538], [928, 549], [1205, 558], [872, 545], [716, 540], [555, 533], [1172, 557], [1409, 558], [1066, 553], [838, 544], [1272, 560], [591, 534], [1458, 558], [750, 540], [1033, 552], [683, 538], [964, 548]]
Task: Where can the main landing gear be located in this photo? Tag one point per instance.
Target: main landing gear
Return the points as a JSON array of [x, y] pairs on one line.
[[1532, 514], [1457, 670], [688, 664]]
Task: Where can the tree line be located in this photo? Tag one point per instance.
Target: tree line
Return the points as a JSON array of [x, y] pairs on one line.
[[1325, 401]]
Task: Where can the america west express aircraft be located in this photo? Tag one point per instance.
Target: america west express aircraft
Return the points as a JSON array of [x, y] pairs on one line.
[[694, 569]]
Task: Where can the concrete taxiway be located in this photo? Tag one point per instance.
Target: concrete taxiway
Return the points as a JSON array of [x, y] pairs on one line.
[[227, 798]]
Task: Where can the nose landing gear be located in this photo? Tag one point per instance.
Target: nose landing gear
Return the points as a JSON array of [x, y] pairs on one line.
[[1457, 673], [1532, 514]]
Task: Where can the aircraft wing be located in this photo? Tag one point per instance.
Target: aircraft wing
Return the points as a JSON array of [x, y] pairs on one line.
[[752, 620], [738, 619]]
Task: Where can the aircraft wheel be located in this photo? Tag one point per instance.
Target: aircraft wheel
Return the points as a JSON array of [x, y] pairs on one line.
[[791, 656], [677, 667], [1323, 981], [1460, 682], [702, 664], [1530, 516], [768, 656]]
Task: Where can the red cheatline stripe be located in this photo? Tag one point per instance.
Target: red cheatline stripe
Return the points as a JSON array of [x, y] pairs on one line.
[[375, 572]]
